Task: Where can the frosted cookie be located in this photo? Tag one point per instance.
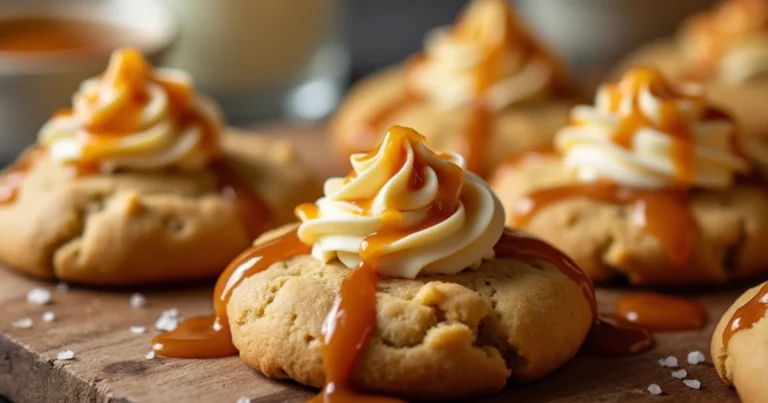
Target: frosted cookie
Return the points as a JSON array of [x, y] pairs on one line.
[[726, 48], [138, 183], [483, 87], [403, 281], [646, 184], [740, 345]]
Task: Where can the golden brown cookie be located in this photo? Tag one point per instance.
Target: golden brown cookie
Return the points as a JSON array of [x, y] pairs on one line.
[[743, 363], [606, 241], [139, 228], [438, 337], [514, 129]]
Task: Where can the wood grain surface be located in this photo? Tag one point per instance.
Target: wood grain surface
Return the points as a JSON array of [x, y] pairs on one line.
[[110, 363]]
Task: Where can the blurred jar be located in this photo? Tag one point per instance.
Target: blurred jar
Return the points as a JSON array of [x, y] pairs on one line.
[[592, 35], [264, 59]]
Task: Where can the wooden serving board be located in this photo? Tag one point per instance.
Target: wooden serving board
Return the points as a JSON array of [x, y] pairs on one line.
[[110, 363]]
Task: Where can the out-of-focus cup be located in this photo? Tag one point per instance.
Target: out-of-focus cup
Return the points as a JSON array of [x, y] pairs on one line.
[[592, 35], [264, 59], [36, 79]]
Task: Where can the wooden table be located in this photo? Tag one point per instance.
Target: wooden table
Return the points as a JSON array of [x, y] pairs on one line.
[[110, 363]]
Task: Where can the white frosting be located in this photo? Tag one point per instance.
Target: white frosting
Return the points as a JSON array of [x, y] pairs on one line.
[[458, 242], [447, 75], [588, 145], [155, 141]]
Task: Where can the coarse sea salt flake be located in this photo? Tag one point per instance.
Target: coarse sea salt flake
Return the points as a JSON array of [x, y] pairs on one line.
[[243, 399], [654, 389], [669, 362], [168, 320], [150, 355], [138, 300], [49, 317], [679, 374], [24, 323], [39, 296], [65, 355], [696, 357], [138, 329], [692, 383]]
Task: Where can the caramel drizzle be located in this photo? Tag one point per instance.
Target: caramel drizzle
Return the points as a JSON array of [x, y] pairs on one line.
[[747, 315], [659, 312], [478, 128], [663, 214]]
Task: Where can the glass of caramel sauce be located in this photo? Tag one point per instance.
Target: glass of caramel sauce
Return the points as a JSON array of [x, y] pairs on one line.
[[48, 47]]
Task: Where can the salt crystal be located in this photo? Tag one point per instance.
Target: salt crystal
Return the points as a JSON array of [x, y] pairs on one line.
[[168, 320], [679, 374], [65, 355], [243, 399], [39, 296], [138, 300], [669, 362], [138, 329], [49, 317], [25, 323], [150, 355], [692, 383], [696, 357], [654, 389], [62, 287]]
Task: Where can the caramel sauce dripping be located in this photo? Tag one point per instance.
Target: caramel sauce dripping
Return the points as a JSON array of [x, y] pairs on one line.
[[663, 214], [659, 312], [608, 336], [747, 315], [13, 177], [209, 336]]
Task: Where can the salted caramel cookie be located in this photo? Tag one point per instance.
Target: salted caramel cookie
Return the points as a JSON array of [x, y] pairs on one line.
[[606, 241], [740, 345], [436, 337], [144, 227], [483, 88], [726, 49]]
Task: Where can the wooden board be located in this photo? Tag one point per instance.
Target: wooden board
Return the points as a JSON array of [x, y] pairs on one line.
[[109, 362]]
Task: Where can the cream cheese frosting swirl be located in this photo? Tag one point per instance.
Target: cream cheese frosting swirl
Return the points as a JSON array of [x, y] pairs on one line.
[[729, 42], [485, 55], [421, 212], [644, 133], [135, 117]]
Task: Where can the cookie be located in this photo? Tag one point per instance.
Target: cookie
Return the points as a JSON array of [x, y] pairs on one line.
[[132, 228], [437, 337], [743, 363], [514, 129], [607, 243]]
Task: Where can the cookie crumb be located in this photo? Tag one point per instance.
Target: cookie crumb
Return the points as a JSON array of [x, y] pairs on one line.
[[669, 362], [692, 383], [62, 287], [696, 357], [243, 399], [168, 320], [138, 300], [24, 323], [150, 355], [39, 296], [138, 329], [49, 317], [65, 355], [679, 374], [654, 389]]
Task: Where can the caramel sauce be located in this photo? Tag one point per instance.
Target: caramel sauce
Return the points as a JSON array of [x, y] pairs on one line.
[[13, 177], [659, 312], [608, 336], [28, 35], [209, 336], [663, 214], [747, 315]]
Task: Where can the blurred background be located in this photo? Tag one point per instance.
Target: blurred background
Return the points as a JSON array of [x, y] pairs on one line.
[[270, 60]]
